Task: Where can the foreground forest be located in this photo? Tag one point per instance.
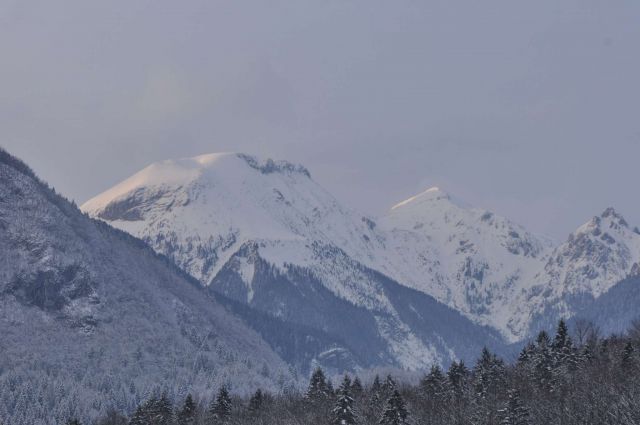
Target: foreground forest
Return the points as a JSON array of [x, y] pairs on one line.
[[584, 379]]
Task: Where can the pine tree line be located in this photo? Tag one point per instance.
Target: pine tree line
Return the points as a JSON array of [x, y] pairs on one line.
[[555, 380]]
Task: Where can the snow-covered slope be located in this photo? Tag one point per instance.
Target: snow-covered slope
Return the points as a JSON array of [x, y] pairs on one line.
[[498, 273], [234, 218], [201, 210], [89, 313], [469, 258], [594, 259], [221, 214]]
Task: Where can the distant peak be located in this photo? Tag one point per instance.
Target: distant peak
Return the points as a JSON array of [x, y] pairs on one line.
[[182, 172], [433, 194], [433, 189], [613, 214], [601, 224]]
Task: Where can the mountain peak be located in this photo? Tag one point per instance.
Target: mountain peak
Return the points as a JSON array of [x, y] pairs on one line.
[[614, 215], [429, 196], [177, 173], [609, 220]]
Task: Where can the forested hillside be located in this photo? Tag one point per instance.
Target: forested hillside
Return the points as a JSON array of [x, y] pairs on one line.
[[91, 318], [556, 379]]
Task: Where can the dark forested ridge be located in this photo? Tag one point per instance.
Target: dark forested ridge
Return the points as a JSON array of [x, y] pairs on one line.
[[577, 378]]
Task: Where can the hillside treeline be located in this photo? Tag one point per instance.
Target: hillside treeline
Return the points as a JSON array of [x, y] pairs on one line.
[[565, 379]]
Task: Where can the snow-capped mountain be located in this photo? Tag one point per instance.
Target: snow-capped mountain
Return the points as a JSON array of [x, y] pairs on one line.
[[266, 234], [469, 258], [498, 273], [232, 219], [89, 313], [593, 260], [200, 210], [598, 255]]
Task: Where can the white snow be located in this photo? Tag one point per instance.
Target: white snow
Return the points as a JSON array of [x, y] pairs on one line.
[[201, 210]]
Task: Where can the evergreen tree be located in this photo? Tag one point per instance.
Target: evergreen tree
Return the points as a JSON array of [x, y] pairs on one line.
[[376, 394], [586, 354], [526, 354], [458, 374], [434, 385], [488, 374], [458, 377], [346, 380], [563, 359], [488, 380], [140, 416], [376, 386], [542, 372], [256, 401], [148, 413], [162, 411], [627, 356], [388, 387], [220, 408], [187, 415], [395, 412], [389, 384], [514, 413], [562, 338], [330, 389], [434, 390], [318, 387], [562, 349], [356, 387], [343, 413]]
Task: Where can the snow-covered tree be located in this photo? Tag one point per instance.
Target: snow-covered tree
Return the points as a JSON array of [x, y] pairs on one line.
[[318, 386], [162, 411], [356, 387], [489, 378], [187, 415], [389, 384], [542, 361], [343, 412], [434, 384], [514, 412], [395, 412], [256, 401], [220, 408], [563, 352], [376, 397]]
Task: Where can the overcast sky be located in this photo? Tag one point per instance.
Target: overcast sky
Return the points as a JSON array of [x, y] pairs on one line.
[[531, 109]]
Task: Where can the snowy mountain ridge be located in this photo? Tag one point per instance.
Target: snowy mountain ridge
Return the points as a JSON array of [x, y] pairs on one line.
[[201, 211], [477, 261], [593, 260], [234, 218], [98, 315], [208, 206]]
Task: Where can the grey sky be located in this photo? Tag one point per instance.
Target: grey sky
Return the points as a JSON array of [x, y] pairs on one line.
[[531, 109]]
